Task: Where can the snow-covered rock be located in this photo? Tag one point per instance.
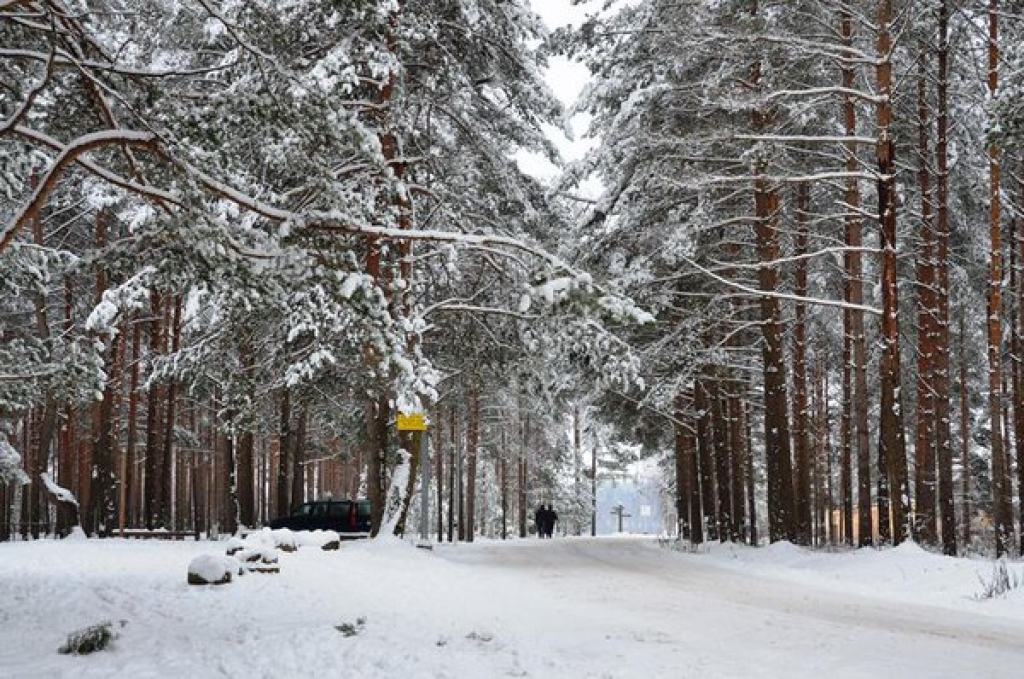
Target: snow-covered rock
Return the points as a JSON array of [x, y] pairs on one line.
[[324, 539], [213, 569], [234, 545]]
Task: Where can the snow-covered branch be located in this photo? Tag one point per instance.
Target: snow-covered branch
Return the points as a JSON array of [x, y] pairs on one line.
[[780, 295], [67, 156]]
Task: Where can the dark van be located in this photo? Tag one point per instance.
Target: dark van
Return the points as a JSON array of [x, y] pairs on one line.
[[349, 518]]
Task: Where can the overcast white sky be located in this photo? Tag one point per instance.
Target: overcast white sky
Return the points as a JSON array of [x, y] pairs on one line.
[[566, 80]]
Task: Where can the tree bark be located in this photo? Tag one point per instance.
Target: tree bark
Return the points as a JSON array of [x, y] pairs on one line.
[[967, 507], [472, 449], [709, 520], [803, 507], [173, 331], [154, 501], [855, 384], [298, 457], [723, 467], [942, 375], [1001, 485], [285, 448], [892, 455], [778, 460], [925, 529], [1018, 361], [684, 449], [439, 468], [740, 451], [694, 474]]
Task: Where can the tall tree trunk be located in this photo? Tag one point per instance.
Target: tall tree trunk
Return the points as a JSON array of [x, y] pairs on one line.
[[778, 460], [925, 529], [855, 385], [154, 502], [472, 449], [522, 495], [503, 480], [694, 474], [740, 451], [778, 453], [723, 467], [1001, 486], [173, 331], [454, 499], [1018, 361], [376, 415], [751, 486], [943, 376], [802, 506], [128, 479], [285, 448], [823, 454], [439, 468], [707, 470], [298, 458], [892, 448], [967, 507], [846, 431], [104, 478], [577, 462], [684, 449], [245, 481], [45, 425]]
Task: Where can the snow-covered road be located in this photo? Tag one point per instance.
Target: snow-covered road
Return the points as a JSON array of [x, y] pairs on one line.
[[710, 621], [564, 608]]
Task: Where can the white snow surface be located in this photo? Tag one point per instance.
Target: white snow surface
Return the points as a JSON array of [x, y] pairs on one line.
[[563, 608]]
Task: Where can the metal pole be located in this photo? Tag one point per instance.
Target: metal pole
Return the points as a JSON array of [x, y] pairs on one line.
[[424, 485]]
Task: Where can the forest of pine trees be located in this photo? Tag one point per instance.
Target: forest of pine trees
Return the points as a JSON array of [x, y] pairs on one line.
[[237, 239]]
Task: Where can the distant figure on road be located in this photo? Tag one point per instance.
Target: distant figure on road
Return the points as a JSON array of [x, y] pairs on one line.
[[550, 517], [540, 520]]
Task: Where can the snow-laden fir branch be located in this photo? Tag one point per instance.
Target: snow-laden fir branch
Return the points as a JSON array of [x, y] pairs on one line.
[[62, 58], [780, 295], [809, 139], [83, 144]]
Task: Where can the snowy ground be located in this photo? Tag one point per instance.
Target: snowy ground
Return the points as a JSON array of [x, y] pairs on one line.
[[562, 608]]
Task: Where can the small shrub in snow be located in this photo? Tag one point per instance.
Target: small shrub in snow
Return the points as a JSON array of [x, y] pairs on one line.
[[90, 639], [482, 637], [1002, 581], [213, 569], [348, 629]]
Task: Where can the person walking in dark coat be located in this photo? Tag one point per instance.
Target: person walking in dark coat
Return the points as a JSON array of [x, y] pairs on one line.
[[540, 520], [550, 517]]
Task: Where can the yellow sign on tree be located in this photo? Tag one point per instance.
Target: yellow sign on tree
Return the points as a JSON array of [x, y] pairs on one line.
[[412, 422]]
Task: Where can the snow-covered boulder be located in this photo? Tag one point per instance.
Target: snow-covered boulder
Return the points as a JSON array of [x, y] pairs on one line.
[[213, 569], [324, 539], [234, 545], [284, 539]]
